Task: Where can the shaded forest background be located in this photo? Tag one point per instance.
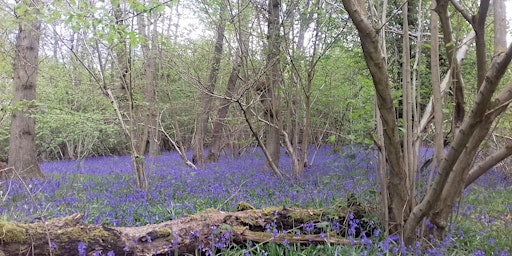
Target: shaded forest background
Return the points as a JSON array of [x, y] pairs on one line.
[[75, 120]]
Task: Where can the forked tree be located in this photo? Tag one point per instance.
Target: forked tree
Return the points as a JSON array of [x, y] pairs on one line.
[[455, 169]]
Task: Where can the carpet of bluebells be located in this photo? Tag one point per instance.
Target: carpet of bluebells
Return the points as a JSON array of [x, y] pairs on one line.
[[102, 188]]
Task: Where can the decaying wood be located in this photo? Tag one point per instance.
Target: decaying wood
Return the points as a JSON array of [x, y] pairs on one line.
[[181, 236]]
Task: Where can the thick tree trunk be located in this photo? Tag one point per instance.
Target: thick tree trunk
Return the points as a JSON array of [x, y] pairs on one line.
[[399, 202], [195, 233], [22, 145], [270, 97]]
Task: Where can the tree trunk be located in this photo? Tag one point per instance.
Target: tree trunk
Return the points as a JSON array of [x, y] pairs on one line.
[[22, 146], [469, 132], [218, 125], [456, 78], [408, 106], [466, 141], [207, 98], [500, 26], [399, 202], [270, 97], [436, 91], [151, 119], [382, 168], [455, 185], [188, 235], [479, 26]]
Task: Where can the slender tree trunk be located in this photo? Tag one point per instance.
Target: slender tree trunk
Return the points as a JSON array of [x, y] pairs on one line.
[[207, 98], [218, 125], [436, 89], [151, 133], [299, 91], [123, 90], [456, 79], [459, 56], [22, 145], [436, 98], [408, 106], [500, 26], [136, 133], [481, 55], [382, 168]]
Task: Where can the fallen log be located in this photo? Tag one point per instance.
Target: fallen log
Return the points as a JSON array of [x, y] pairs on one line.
[[208, 230]]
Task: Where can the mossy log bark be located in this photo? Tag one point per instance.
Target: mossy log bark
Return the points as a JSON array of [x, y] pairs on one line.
[[61, 236]]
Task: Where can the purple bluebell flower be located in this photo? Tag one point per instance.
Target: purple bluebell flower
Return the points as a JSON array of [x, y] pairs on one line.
[[81, 249], [174, 240], [286, 244], [479, 253]]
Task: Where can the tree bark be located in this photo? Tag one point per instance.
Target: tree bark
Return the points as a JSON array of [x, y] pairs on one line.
[[186, 235], [22, 156]]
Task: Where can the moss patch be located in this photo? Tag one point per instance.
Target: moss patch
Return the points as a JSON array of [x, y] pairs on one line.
[[166, 234], [84, 234], [11, 232], [303, 215], [243, 206]]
